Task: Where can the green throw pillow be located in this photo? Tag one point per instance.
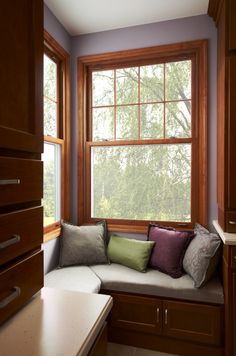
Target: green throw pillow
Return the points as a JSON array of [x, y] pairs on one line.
[[131, 253]]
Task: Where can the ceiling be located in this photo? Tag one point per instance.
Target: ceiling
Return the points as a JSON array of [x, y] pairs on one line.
[[87, 16]]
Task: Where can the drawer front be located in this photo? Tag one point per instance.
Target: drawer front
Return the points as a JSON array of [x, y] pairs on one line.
[[21, 180], [19, 283], [137, 313], [231, 221], [193, 322], [233, 256], [21, 231]]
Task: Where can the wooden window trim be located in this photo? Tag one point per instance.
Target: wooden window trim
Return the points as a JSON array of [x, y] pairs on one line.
[[52, 47], [197, 49]]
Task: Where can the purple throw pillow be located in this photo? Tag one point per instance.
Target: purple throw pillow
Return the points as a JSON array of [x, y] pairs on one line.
[[168, 252]]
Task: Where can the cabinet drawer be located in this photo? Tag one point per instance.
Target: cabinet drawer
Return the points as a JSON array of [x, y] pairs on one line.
[[21, 231], [20, 282], [137, 313], [193, 322], [233, 256], [231, 221], [21, 180]]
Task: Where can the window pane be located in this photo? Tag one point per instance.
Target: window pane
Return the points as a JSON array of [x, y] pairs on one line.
[[103, 124], [127, 85], [50, 114], [178, 80], [127, 122], [52, 177], [50, 97], [151, 121], [178, 119], [152, 83], [146, 182], [103, 88], [50, 78]]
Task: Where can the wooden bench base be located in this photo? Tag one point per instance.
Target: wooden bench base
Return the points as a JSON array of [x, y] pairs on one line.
[[171, 326]]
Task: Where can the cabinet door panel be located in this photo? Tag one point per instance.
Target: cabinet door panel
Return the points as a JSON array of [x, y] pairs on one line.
[[232, 134], [232, 25], [21, 231], [234, 313], [137, 313], [21, 180], [193, 322], [21, 75], [18, 283]]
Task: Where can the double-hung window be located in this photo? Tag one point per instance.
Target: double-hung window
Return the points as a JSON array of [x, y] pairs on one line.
[[143, 119], [56, 127]]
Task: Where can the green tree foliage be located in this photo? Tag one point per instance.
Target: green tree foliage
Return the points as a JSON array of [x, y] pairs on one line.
[[146, 182]]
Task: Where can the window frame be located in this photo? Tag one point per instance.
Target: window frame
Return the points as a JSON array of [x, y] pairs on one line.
[[58, 54], [197, 51]]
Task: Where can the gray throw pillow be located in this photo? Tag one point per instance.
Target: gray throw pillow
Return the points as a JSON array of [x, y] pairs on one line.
[[83, 245], [202, 256]]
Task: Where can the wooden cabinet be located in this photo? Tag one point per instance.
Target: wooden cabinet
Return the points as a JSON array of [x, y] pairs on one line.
[[224, 13], [229, 274], [21, 142], [99, 347], [194, 322], [20, 75], [139, 313], [166, 325]]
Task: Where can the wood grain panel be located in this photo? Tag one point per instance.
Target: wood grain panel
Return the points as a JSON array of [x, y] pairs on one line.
[[29, 174], [194, 322], [21, 231], [26, 277], [21, 73], [137, 313]]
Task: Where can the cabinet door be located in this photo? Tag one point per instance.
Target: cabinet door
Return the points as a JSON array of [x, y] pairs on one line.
[[232, 134], [232, 25], [193, 322], [234, 314], [137, 313], [21, 75]]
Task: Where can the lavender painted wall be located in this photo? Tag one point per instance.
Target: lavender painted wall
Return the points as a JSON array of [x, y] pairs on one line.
[[180, 30], [55, 28]]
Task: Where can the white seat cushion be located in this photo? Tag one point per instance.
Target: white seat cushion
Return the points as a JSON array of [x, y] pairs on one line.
[[116, 277], [76, 278]]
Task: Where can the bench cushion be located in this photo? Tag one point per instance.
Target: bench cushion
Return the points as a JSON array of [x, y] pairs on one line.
[[116, 277], [76, 278]]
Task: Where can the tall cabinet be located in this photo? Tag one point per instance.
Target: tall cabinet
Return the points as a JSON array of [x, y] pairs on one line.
[[224, 14], [21, 144]]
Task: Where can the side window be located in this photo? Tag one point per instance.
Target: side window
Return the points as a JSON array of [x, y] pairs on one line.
[[56, 154]]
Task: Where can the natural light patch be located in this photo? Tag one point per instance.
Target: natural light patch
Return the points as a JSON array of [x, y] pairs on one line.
[[50, 97], [147, 182], [51, 179]]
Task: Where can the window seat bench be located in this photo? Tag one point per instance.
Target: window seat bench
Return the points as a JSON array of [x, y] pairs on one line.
[[153, 310]]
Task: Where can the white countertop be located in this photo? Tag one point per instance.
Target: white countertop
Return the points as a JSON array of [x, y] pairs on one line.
[[55, 323], [226, 237]]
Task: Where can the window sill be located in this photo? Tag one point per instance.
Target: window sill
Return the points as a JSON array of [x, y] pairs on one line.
[[51, 235]]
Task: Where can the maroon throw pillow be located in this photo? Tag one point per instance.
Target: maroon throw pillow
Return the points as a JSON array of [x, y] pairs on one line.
[[168, 252]]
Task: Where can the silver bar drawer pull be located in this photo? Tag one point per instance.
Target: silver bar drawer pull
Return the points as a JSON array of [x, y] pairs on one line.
[[232, 222], [166, 316], [15, 294], [13, 240], [9, 181], [158, 315]]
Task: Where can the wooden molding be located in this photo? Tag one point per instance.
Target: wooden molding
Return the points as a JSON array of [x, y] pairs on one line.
[[194, 49], [214, 9], [65, 137]]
